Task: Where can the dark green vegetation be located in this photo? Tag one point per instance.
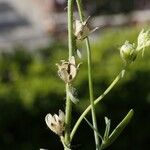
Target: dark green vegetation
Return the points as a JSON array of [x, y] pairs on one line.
[[30, 88]]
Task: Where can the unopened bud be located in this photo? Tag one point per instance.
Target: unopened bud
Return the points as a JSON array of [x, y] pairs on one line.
[[128, 52]]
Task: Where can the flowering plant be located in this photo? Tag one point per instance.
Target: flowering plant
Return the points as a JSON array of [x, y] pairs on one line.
[[61, 124]]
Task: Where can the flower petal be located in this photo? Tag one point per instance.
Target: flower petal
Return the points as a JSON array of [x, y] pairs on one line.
[[61, 116], [49, 120]]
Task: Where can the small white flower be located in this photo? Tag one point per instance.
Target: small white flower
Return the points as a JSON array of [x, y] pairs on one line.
[[67, 71], [56, 122], [82, 29], [128, 52], [143, 39]]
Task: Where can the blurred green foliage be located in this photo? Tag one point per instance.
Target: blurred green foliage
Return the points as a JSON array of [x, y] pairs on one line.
[[30, 88]]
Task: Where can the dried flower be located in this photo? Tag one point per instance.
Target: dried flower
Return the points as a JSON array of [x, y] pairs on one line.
[[56, 122], [128, 52], [82, 29], [67, 71]]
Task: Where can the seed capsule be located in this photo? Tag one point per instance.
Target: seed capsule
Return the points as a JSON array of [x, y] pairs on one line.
[[67, 70], [82, 29]]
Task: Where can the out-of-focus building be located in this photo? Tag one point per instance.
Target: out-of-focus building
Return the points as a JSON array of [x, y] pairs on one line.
[[33, 22], [27, 22]]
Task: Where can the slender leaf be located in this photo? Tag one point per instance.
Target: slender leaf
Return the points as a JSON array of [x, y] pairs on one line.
[[117, 131], [93, 128], [107, 129]]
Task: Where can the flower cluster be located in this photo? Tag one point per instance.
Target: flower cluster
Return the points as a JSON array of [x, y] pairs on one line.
[[67, 71]]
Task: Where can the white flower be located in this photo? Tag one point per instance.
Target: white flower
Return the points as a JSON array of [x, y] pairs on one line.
[[56, 122], [82, 29], [128, 52], [67, 71], [143, 40]]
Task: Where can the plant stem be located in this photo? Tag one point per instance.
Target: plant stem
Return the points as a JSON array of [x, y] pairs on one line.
[[91, 95], [79, 5], [119, 76], [71, 39], [90, 80], [71, 45], [68, 117]]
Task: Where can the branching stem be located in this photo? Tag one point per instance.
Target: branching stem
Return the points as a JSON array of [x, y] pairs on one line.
[[119, 76], [79, 4]]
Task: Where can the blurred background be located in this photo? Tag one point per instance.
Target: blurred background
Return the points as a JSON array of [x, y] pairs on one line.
[[33, 38]]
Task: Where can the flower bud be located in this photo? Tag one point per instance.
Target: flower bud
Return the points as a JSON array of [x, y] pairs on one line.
[[82, 29], [67, 71], [128, 52], [56, 122]]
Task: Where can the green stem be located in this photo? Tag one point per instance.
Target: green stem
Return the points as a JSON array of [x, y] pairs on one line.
[[71, 45], [67, 117], [91, 95], [71, 39], [119, 76], [90, 80], [79, 5]]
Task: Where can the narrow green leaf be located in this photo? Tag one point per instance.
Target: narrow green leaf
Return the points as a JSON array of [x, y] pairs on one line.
[[93, 128], [107, 129], [117, 131]]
